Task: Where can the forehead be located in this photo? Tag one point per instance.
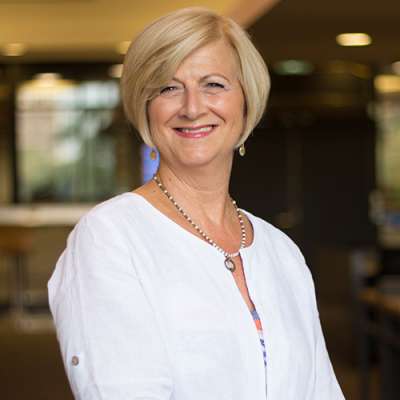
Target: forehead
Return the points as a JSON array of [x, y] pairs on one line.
[[214, 58]]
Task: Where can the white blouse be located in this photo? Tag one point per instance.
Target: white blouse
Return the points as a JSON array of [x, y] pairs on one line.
[[145, 310]]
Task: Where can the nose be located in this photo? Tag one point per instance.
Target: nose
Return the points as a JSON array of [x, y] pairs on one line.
[[193, 104]]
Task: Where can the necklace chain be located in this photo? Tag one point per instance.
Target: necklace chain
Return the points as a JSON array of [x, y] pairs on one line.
[[229, 264]]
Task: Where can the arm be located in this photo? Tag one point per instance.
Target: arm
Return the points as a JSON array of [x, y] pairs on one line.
[[110, 343], [326, 386]]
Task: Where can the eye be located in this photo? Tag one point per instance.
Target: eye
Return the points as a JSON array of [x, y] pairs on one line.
[[168, 89], [215, 85]]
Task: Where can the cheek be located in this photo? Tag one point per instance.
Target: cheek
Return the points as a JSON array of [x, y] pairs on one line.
[[151, 115], [230, 108], [154, 112], [160, 114], [157, 114]]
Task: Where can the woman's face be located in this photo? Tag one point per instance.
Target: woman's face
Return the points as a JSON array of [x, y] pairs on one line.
[[198, 117]]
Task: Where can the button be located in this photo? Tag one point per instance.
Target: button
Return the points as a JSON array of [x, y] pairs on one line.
[[75, 360]]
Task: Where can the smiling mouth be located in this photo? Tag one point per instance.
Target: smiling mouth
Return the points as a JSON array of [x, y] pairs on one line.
[[195, 131]]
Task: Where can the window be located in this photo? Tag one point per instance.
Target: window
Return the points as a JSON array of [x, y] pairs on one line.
[[73, 143]]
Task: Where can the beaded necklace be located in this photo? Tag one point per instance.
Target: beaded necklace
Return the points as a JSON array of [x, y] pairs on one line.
[[229, 264]]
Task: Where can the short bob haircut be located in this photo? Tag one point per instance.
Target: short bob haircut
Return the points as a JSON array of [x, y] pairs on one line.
[[156, 53]]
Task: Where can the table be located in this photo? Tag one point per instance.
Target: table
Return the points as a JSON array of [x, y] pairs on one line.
[[381, 321], [18, 224]]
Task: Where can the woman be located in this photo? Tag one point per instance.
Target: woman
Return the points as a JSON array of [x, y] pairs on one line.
[[171, 291]]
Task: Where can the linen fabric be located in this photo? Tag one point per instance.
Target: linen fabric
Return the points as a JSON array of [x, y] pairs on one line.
[[145, 310]]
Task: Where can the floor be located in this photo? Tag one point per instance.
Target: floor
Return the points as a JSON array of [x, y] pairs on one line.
[[30, 365]]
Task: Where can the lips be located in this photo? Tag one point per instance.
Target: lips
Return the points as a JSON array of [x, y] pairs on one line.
[[195, 131]]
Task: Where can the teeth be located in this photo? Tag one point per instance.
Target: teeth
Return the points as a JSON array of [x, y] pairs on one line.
[[204, 129]]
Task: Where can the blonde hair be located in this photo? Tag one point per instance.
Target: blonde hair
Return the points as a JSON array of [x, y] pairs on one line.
[[156, 53]]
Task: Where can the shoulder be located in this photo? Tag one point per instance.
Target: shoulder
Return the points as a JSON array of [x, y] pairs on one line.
[[111, 211], [103, 230], [96, 245], [111, 217]]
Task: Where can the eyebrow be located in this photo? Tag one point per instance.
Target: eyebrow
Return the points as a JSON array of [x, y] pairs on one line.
[[205, 77]]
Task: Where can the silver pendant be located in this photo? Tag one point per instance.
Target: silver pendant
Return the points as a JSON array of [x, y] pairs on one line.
[[229, 264]]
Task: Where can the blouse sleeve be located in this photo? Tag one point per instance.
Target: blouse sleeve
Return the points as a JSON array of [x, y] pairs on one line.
[[326, 385], [110, 343]]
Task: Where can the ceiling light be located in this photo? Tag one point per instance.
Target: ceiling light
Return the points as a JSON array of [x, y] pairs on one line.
[[387, 83], [293, 67], [353, 39], [47, 80], [14, 49], [122, 47], [396, 67], [47, 76], [115, 71], [49, 83]]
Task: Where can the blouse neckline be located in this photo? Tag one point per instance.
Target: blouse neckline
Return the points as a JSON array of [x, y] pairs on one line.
[[171, 222]]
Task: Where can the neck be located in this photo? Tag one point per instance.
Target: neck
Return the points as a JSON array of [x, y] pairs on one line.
[[202, 193]]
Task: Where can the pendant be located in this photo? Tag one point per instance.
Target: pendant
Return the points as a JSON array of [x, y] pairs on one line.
[[229, 264]]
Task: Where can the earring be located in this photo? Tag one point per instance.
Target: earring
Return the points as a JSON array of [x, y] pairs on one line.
[[242, 150], [153, 155]]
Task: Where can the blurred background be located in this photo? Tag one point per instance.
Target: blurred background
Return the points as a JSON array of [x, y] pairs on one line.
[[323, 165]]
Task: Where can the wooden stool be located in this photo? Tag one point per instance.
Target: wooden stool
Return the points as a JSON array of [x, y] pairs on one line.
[[16, 244]]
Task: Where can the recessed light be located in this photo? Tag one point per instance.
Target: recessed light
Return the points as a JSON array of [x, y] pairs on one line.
[[122, 47], [293, 67], [13, 49], [353, 39]]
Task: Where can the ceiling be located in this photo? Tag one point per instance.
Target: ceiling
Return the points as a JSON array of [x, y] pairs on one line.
[[91, 29], [306, 29]]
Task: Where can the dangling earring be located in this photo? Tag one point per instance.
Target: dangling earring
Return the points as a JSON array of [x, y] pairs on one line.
[[242, 150], [153, 155]]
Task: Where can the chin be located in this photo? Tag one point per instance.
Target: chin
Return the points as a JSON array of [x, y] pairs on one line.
[[197, 159]]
